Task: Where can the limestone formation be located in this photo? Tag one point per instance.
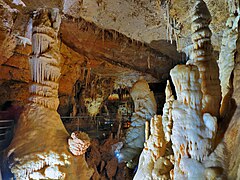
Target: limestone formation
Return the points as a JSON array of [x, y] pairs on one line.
[[232, 135], [39, 149], [45, 60], [93, 105], [193, 132], [153, 163], [145, 109], [78, 143], [198, 135], [226, 61], [203, 58], [167, 112], [198, 101]]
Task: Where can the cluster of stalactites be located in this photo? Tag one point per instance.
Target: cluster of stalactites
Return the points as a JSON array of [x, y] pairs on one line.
[[45, 60], [203, 59]]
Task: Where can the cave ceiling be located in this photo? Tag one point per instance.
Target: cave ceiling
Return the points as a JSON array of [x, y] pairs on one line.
[[115, 37]]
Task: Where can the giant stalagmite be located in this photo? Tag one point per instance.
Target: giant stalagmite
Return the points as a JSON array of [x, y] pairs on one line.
[[39, 149], [203, 58], [198, 102]]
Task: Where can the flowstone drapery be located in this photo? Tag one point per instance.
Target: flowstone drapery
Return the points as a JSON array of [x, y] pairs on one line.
[[226, 60], [193, 132], [145, 108], [39, 149]]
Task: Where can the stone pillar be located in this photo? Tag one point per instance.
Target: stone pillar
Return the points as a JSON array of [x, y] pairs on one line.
[[39, 149]]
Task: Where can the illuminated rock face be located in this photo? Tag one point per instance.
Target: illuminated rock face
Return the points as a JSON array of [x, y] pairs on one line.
[[189, 122], [39, 149], [145, 108], [93, 105], [198, 101]]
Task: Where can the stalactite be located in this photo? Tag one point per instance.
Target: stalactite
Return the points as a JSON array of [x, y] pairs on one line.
[[173, 27], [103, 35], [148, 62], [44, 62], [88, 77]]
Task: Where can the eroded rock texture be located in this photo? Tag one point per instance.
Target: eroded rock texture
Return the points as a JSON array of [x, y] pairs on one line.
[[78, 143], [226, 60], [145, 108], [39, 150]]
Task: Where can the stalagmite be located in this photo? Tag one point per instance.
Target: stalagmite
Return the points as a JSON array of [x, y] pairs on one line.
[[39, 149], [167, 113], [193, 132], [203, 58], [198, 101], [145, 109], [153, 164]]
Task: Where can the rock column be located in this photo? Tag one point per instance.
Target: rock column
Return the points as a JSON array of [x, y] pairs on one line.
[[39, 149]]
